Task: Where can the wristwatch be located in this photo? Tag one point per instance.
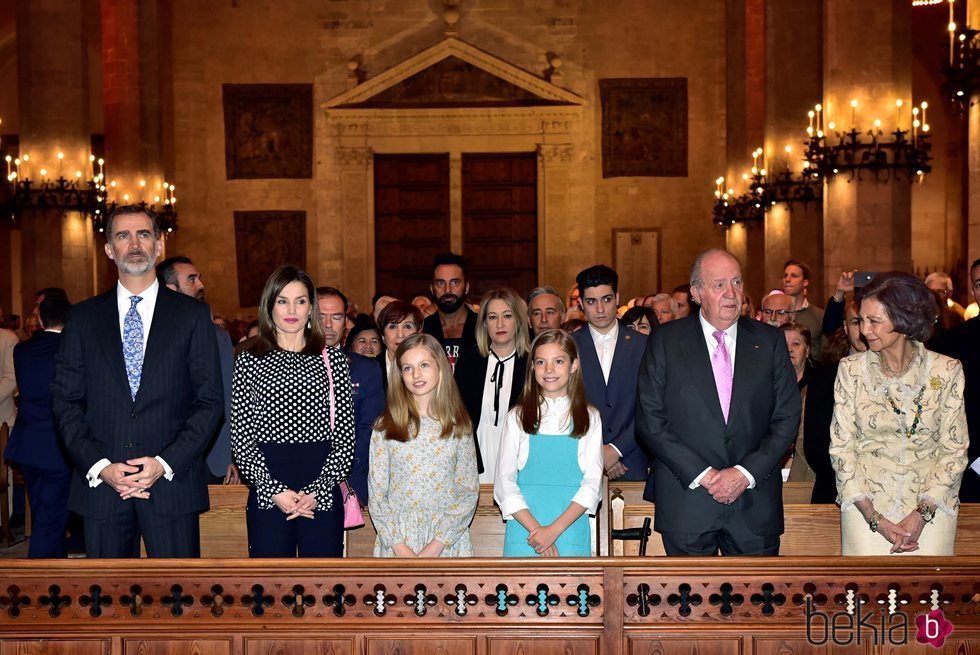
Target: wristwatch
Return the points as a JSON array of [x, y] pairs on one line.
[[927, 513], [873, 521]]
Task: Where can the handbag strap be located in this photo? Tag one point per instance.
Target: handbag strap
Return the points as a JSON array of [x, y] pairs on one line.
[[330, 396]]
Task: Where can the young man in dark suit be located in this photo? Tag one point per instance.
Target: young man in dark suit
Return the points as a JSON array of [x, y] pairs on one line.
[[34, 441], [718, 407], [137, 397], [610, 359]]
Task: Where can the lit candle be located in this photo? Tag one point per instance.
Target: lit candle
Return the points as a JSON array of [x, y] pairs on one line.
[[61, 164], [854, 106], [898, 105], [810, 114], [924, 106], [915, 122], [952, 34], [789, 152], [819, 109], [8, 159], [26, 158]]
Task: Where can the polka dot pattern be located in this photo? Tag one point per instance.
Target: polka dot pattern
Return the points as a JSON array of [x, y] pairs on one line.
[[282, 398]]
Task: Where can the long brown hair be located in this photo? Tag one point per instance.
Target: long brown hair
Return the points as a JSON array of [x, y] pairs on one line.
[[266, 339], [529, 406], [401, 419]]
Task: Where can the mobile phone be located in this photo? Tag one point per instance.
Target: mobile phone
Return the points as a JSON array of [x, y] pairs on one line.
[[861, 278]]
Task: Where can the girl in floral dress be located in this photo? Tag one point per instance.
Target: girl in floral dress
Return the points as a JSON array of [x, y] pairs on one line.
[[423, 482]]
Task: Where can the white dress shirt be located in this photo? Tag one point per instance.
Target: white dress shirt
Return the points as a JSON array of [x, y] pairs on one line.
[[730, 337], [605, 347], [487, 434], [515, 446], [145, 309]]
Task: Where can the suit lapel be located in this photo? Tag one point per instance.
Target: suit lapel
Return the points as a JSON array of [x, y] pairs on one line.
[[109, 338], [161, 327], [591, 368], [746, 360], [623, 342], [696, 353]]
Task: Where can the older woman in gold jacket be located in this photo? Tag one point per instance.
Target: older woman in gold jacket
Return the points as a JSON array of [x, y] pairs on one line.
[[898, 437]]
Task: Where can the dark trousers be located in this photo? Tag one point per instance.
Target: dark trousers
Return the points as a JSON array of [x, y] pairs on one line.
[[970, 489], [118, 535], [271, 535], [732, 537], [47, 493]]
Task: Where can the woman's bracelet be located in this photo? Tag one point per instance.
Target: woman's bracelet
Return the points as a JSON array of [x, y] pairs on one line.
[[873, 521]]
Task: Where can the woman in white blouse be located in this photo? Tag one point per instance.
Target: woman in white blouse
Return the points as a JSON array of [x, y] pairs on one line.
[[490, 376]]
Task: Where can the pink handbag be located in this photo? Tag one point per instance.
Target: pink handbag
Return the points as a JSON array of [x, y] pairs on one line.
[[353, 516]]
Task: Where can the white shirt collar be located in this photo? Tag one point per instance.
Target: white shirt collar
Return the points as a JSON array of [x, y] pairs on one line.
[[611, 334], [149, 294], [709, 330]]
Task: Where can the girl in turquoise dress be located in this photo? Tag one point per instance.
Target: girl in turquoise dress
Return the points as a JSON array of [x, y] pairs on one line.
[[549, 467]]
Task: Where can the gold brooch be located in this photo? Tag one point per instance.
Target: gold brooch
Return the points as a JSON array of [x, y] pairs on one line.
[[935, 383]]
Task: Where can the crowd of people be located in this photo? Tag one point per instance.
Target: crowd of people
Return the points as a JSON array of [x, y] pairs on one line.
[[132, 402]]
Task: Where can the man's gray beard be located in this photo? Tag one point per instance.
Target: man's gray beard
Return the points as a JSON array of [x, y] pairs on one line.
[[136, 270]]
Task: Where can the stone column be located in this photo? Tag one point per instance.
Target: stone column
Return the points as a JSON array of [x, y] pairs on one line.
[[356, 167], [554, 228], [793, 86], [746, 110], [131, 92], [867, 224], [56, 247]]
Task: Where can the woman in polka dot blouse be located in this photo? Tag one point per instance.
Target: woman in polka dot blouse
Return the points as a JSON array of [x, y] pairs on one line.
[[288, 441]]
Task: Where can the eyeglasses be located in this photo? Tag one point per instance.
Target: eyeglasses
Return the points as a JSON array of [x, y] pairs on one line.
[[778, 312]]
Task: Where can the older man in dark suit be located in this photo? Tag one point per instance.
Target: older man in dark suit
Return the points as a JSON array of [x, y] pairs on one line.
[[610, 358], [34, 442], [137, 396], [717, 405]]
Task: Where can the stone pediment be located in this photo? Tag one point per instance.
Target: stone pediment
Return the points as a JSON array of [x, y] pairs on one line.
[[454, 74]]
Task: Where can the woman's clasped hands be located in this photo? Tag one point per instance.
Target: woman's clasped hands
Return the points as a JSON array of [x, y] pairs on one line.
[[295, 504]]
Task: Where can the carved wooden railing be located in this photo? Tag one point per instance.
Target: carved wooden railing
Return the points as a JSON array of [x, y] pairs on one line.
[[573, 606]]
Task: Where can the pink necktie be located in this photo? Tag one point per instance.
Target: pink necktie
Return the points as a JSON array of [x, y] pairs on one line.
[[721, 365]]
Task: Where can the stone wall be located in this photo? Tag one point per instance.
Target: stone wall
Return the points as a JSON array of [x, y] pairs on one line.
[[312, 42]]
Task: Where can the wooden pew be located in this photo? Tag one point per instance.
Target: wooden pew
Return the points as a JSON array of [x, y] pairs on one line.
[[223, 531], [811, 530]]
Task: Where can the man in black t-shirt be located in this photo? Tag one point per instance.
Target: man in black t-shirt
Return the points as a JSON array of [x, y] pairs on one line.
[[454, 325]]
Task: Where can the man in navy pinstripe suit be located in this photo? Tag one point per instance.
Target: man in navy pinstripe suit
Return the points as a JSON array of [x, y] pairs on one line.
[[137, 396]]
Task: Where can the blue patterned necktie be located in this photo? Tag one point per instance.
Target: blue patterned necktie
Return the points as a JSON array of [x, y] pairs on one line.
[[133, 345]]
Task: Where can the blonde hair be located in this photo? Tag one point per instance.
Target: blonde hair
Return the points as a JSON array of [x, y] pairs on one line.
[[400, 421], [517, 305]]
